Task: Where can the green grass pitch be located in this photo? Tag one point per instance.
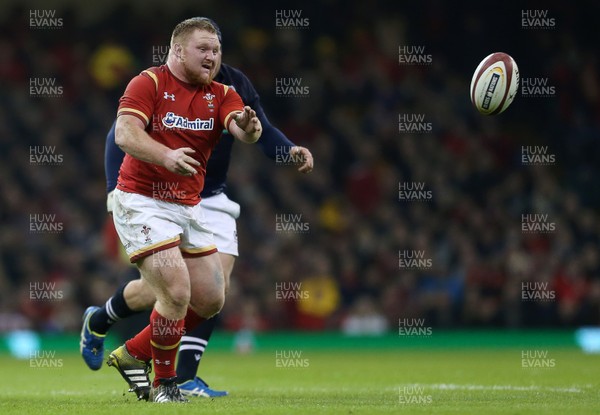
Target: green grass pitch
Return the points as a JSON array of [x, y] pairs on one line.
[[328, 381]]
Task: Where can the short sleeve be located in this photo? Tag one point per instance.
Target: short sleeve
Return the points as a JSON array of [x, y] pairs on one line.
[[138, 99], [232, 102]]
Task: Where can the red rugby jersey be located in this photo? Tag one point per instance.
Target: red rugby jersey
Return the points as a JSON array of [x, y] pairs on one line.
[[177, 115]]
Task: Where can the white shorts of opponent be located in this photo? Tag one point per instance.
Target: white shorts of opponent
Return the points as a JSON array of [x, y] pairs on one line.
[[220, 214]]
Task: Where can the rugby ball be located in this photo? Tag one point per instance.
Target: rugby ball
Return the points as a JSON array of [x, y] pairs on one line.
[[495, 83]]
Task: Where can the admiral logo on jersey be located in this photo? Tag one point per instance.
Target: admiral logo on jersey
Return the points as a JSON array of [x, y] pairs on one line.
[[171, 120]]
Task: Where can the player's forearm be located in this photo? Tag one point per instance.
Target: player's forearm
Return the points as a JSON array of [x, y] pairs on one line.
[[273, 142], [133, 140]]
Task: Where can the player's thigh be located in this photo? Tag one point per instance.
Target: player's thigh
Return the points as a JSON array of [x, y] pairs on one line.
[[167, 275], [207, 283]]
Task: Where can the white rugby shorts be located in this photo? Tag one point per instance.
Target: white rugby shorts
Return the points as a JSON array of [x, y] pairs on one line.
[[146, 226], [220, 214]]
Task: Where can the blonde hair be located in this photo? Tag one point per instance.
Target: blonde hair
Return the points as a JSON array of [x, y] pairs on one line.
[[185, 28]]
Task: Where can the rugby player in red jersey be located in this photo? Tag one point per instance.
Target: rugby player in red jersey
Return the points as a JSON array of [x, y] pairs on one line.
[[169, 119]]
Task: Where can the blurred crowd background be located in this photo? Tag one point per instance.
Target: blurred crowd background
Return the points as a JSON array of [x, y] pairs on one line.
[[344, 268]]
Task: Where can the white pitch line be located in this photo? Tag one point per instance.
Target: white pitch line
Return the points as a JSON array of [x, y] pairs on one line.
[[453, 386]]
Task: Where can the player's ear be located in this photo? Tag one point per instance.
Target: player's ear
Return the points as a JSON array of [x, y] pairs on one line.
[[177, 49]]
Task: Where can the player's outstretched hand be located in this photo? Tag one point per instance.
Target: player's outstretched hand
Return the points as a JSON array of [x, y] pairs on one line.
[[307, 158], [178, 161], [248, 121]]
